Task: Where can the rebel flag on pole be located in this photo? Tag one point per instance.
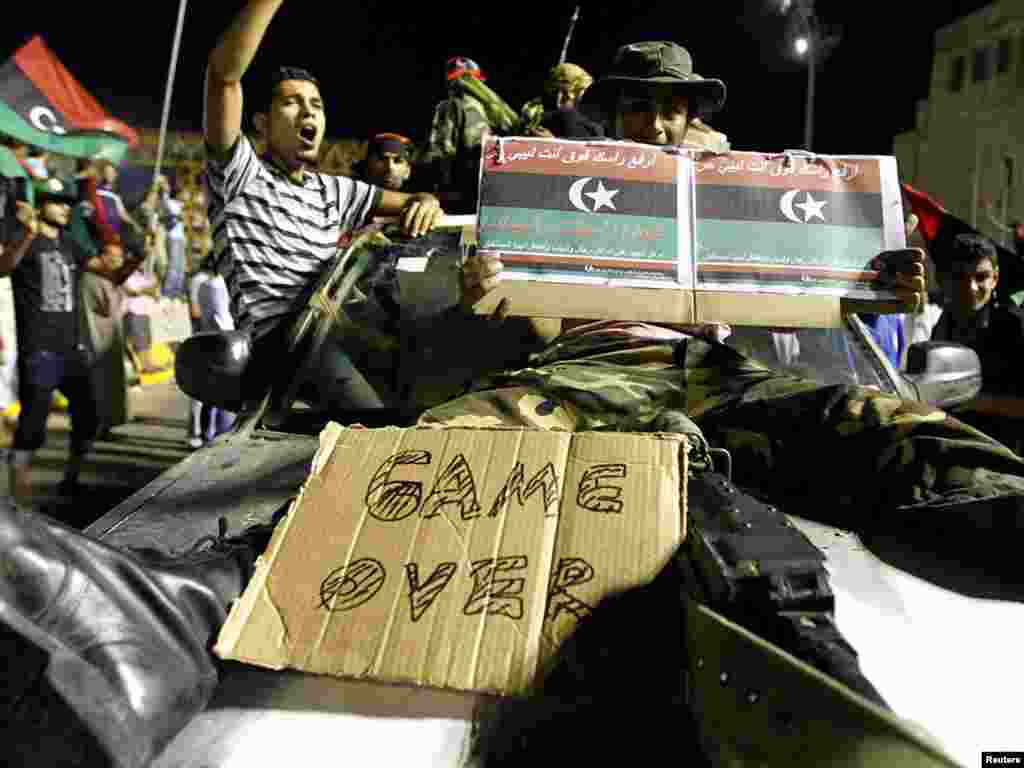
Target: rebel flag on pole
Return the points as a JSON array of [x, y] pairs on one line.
[[795, 224], [42, 104], [938, 228]]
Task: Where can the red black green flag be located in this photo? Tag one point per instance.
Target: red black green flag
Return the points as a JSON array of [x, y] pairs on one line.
[[582, 212], [938, 228], [42, 104], [794, 223]]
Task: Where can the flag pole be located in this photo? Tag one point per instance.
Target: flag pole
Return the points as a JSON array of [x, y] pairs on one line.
[[170, 88], [568, 35]]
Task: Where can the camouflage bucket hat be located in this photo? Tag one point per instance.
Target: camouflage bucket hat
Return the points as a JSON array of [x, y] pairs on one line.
[[654, 63]]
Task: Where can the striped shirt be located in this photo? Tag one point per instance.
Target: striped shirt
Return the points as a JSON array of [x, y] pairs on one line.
[[273, 237]]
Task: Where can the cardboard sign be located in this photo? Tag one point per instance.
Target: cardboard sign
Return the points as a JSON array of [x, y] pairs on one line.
[[456, 558], [637, 232]]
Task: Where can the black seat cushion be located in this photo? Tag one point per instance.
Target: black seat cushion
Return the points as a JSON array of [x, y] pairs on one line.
[[210, 367]]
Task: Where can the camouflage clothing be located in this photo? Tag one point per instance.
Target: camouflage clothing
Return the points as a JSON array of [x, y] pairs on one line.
[[452, 154], [790, 437], [532, 113]]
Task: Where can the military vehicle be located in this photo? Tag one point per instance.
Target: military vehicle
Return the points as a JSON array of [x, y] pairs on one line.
[[935, 632]]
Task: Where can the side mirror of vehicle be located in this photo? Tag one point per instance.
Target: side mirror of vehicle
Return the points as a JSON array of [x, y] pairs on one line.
[[209, 367], [944, 374]]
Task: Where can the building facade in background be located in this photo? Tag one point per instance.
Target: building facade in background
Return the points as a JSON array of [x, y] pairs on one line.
[[967, 146]]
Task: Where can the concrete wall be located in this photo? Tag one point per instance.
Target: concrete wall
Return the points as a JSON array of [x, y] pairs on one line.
[[958, 150]]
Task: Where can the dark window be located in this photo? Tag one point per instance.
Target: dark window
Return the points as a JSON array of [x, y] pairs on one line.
[[1003, 60], [956, 74], [982, 64]]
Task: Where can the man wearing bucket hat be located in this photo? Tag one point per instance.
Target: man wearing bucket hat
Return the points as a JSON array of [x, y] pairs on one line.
[[652, 94], [46, 267], [555, 113]]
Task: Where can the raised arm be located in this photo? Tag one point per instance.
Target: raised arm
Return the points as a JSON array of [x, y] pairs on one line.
[[227, 64], [11, 253]]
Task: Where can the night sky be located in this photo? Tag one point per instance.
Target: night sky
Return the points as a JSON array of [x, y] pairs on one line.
[[381, 64]]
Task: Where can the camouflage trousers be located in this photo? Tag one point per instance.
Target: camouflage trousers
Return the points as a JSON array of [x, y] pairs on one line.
[[861, 452]]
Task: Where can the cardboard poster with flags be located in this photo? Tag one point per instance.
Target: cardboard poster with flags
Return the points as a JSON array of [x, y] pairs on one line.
[[42, 104], [637, 232]]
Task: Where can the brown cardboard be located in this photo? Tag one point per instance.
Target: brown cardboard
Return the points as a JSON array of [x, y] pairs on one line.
[[598, 302], [484, 523], [627, 256]]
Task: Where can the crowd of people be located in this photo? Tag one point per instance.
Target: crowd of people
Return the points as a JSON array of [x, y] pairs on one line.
[[165, 246], [85, 275], [276, 223]]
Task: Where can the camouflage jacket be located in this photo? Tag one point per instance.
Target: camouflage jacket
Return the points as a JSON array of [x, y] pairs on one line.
[[451, 155], [459, 124], [791, 437]]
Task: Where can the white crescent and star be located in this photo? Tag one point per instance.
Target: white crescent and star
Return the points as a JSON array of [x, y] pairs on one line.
[[44, 119], [810, 207], [603, 197]]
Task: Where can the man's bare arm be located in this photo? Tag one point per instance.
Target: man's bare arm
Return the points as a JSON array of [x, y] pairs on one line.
[[419, 212], [227, 64], [14, 251]]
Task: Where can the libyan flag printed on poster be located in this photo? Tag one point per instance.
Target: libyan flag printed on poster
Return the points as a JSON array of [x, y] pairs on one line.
[[43, 105], [634, 215]]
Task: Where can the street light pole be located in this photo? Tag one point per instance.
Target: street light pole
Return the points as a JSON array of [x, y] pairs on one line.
[[813, 44], [812, 55]]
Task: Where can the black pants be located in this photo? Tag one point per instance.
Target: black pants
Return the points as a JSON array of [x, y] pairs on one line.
[[333, 382], [40, 372]]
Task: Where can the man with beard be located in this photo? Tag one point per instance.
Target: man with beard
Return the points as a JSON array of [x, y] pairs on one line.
[[46, 267], [388, 162], [618, 375], [610, 376], [271, 262]]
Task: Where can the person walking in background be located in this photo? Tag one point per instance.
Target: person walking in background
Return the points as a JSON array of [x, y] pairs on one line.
[[215, 315], [102, 301], [173, 216], [141, 290], [195, 428], [150, 215]]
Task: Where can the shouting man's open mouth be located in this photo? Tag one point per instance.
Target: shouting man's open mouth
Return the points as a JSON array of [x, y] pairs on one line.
[[307, 135]]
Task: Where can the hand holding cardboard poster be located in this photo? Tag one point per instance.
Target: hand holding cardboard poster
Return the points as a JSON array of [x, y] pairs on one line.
[[456, 558], [636, 232]]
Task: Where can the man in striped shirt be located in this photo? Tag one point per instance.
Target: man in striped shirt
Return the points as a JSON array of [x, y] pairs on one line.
[[276, 221]]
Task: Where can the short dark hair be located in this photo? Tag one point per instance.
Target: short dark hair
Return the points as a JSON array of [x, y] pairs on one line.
[[968, 249], [278, 76]]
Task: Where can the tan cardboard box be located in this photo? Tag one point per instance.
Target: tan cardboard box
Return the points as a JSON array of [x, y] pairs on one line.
[[456, 558], [623, 231]]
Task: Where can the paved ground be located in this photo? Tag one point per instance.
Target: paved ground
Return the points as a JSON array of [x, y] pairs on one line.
[[133, 455]]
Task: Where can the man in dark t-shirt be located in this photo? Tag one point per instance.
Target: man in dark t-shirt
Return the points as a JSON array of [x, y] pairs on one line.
[[45, 266], [994, 329]]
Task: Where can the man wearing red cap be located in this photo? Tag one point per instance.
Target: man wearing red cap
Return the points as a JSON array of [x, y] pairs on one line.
[[388, 162], [469, 113]]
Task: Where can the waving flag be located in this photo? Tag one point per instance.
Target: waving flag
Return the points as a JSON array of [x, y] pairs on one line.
[[42, 104], [939, 227]]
